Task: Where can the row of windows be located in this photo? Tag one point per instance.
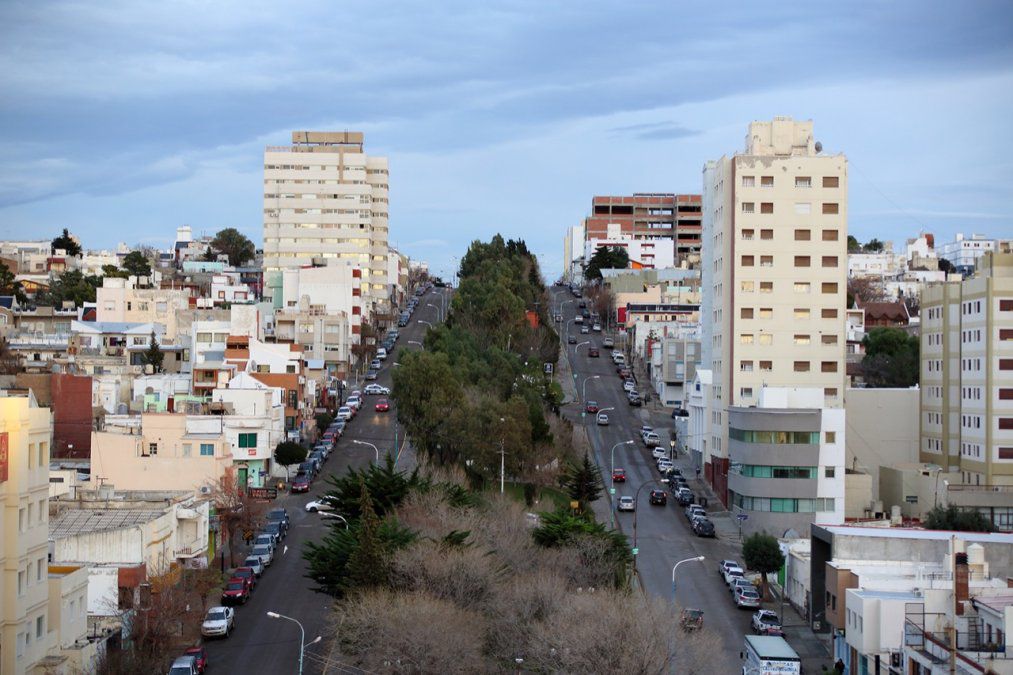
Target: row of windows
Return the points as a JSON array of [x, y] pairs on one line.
[[798, 339], [800, 261], [747, 392], [764, 471], [801, 234], [800, 181], [797, 313], [782, 504], [800, 287], [801, 208], [776, 437]]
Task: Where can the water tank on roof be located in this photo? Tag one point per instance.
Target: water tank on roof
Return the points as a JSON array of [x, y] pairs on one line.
[[975, 554]]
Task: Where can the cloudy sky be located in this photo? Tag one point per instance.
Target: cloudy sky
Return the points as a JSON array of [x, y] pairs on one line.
[[123, 120]]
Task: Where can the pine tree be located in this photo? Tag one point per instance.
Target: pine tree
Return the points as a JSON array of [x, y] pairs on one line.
[[583, 482], [368, 564], [153, 356]]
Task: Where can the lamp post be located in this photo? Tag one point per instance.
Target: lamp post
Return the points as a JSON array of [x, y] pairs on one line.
[[559, 309], [578, 346], [425, 322], [375, 449], [671, 450], [416, 342], [502, 457], [439, 313], [612, 468], [583, 388], [699, 558], [341, 517], [567, 331], [636, 510], [302, 635]]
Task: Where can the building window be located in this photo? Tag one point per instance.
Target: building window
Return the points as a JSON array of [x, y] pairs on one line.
[[766, 366], [774, 437], [207, 449], [828, 313], [766, 313], [828, 366], [1006, 423], [828, 339], [1006, 394], [829, 235], [802, 286], [801, 366], [803, 182], [766, 286], [831, 181], [746, 366], [1005, 453], [829, 287], [747, 235], [1005, 334], [293, 398], [766, 207], [40, 627], [187, 449], [830, 261], [802, 235], [803, 208], [767, 234], [766, 261], [830, 208], [247, 440], [830, 392], [766, 339], [152, 448], [748, 207], [290, 369], [748, 181], [1005, 364], [801, 339], [747, 261], [746, 286], [746, 392], [802, 261], [767, 181], [746, 338], [746, 313], [801, 313], [830, 437], [1006, 305]]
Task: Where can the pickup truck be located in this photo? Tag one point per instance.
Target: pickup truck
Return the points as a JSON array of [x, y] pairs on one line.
[[651, 440]]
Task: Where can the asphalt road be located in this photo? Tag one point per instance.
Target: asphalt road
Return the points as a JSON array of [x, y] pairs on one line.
[[261, 644], [663, 535]]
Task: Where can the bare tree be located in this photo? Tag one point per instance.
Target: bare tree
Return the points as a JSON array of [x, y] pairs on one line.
[[866, 289], [238, 514]]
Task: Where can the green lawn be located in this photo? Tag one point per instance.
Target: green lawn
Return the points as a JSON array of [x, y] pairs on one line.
[[548, 499]]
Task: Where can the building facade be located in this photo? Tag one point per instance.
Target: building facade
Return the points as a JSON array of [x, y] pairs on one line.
[[646, 217]]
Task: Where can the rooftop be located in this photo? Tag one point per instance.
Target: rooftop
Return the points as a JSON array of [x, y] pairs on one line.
[[80, 521], [915, 533]]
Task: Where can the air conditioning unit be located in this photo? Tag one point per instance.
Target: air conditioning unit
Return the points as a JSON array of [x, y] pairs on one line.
[[205, 489]]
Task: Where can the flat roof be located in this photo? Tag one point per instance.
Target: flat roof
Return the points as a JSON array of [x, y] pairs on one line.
[[886, 595], [80, 521], [772, 646], [916, 533], [996, 602]]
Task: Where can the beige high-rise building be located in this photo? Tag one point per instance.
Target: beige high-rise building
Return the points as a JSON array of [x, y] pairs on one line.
[[967, 376], [774, 282], [326, 203]]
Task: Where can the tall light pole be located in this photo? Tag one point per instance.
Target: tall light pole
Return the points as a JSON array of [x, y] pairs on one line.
[[425, 322], [699, 558], [302, 635], [583, 388], [502, 457], [612, 468], [416, 342], [375, 449], [439, 313], [567, 331], [578, 346], [561, 305]]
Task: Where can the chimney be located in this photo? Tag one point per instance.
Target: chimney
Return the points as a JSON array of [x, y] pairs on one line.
[[960, 581]]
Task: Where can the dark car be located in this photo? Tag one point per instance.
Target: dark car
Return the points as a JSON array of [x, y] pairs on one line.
[[275, 529], [200, 657], [246, 574], [659, 497], [592, 352], [236, 592], [308, 467], [370, 374], [591, 407], [301, 483], [691, 619], [703, 528], [684, 497], [571, 339], [279, 515], [623, 372], [634, 399]]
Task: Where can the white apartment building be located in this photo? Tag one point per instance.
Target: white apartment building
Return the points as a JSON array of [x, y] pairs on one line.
[[120, 301], [774, 276], [326, 200], [573, 254], [651, 253], [963, 252]]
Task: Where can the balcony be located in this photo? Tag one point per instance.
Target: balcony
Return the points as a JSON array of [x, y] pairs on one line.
[[189, 551]]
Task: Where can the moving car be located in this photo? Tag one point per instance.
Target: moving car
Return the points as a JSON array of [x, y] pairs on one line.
[[603, 419], [766, 622], [592, 352], [618, 475], [703, 528], [301, 483], [691, 619], [200, 655], [571, 339], [584, 330], [218, 622], [745, 597], [608, 343], [235, 592], [659, 497], [626, 504], [318, 505], [383, 405], [374, 389], [591, 407]]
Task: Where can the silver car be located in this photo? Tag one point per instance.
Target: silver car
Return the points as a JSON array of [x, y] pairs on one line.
[[626, 504], [218, 622]]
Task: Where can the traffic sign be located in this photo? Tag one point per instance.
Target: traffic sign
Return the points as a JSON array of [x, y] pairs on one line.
[[636, 551], [742, 516], [612, 491]]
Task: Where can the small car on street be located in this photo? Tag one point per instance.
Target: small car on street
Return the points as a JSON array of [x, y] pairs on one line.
[[218, 622], [608, 343], [618, 475], [301, 483], [383, 405], [603, 419], [374, 389], [264, 552], [235, 592], [591, 407], [571, 339], [246, 574], [318, 505], [592, 352], [747, 598], [626, 504], [703, 528], [184, 665], [200, 655], [659, 497], [766, 622], [253, 562], [371, 374]]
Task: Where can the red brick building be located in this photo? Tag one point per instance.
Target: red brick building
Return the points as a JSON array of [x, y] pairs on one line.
[[647, 216]]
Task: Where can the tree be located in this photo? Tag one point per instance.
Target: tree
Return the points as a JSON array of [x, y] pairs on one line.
[[209, 255], [67, 243], [10, 363], [9, 285], [866, 289], [235, 245], [891, 358], [323, 421], [136, 264], [606, 257], [762, 554], [873, 246], [114, 272], [237, 511], [288, 453], [946, 266], [953, 518], [369, 563], [583, 482], [853, 245], [153, 356], [72, 286]]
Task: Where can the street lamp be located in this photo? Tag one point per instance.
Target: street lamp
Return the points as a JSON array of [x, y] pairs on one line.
[[671, 451], [502, 457], [612, 467], [338, 515], [425, 322], [578, 346], [377, 450], [583, 389], [561, 305], [302, 635], [699, 558], [416, 342], [439, 313]]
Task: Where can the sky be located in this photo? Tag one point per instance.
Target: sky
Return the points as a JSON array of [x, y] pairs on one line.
[[124, 120]]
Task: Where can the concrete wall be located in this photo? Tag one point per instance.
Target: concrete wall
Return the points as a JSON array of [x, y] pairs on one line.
[[882, 429], [71, 415]]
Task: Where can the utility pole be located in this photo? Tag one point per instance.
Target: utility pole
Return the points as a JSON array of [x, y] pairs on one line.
[[502, 458]]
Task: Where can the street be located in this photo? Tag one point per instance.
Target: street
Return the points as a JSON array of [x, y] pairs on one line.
[[261, 644], [663, 535]]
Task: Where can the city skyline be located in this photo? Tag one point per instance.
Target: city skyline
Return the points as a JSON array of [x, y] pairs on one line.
[[141, 118]]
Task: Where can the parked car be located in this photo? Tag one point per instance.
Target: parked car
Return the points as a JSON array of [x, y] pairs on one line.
[[633, 398], [684, 496], [591, 406], [732, 573], [692, 510], [584, 330], [184, 665], [373, 389], [275, 528], [571, 339], [664, 465], [301, 483], [218, 622], [247, 574], [723, 566], [651, 440], [265, 539], [659, 453], [318, 505], [596, 328], [279, 515], [608, 343], [254, 563], [344, 413], [235, 592], [703, 528], [603, 419], [766, 622], [629, 385], [691, 619], [383, 405], [371, 374], [264, 552], [740, 582], [626, 504], [381, 353], [200, 655], [618, 475], [659, 497], [747, 598], [308, 467]]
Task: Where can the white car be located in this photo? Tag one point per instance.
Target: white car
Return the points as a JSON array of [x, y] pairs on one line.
[[629, 385], [603, 420], [596, 328], [344, 413], [732, 572], [626, 504], [664, 465], [651, 439], [374, 389], [264, 552], [219, 621], [353, 402], [318, 505], [659, 453]]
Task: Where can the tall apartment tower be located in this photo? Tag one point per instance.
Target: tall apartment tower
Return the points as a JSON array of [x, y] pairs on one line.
[[774, 288], [967, 374], [325, 203]]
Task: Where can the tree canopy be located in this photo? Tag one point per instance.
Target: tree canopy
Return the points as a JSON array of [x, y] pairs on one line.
[[67, 243], [71, 286], [288, 453], [762, 554], [137, 264], [235, 245], [891, 358], [9, 285], [953, 518], [606, 258], [583, 482], [153, 355]]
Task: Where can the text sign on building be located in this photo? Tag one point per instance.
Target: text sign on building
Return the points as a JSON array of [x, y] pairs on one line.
[[3, 457], [262, 492]]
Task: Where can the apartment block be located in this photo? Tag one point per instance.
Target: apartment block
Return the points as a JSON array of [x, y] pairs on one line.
[[646, 217], [774, 275], [326, 201], [967, 376]]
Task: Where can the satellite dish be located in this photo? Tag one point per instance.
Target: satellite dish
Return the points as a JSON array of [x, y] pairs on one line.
[[819, 147]]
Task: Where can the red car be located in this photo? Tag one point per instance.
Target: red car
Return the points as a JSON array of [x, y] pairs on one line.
[[235, 592], [201, 657], [383, 405], [619, 475], [301, 483], [247, 574], [591, 407]]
